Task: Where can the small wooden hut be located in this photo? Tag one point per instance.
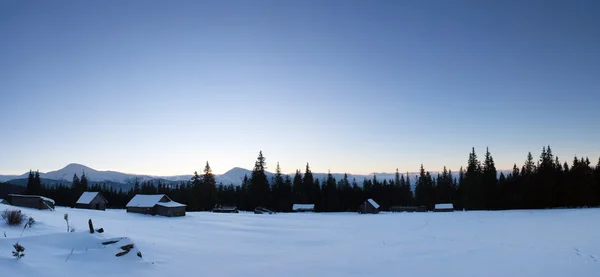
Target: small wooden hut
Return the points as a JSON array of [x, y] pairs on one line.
[[303, 207], [369, 207], [261, 210], [155, 204], [444, 207], [91, 200], [225, 209], [31, 201], [408, 209]]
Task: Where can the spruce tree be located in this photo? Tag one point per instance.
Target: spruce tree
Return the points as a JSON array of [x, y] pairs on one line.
[[298, 191], [37, 181], [452, 186], [76, 184], [83, 184], [259, 185], [208, 177], [136, 186], [444, 188], [345, 194], [310, 186], [559, 191], [244, 199], [490, 182], [409, 197], [429, 191], [472, 198], [403, 196], [208, 189], [529, 189], [422, 194], [513, 188], [278, 178], [396, 194], [287, 202], [30, 189], [501, 193], [545, 182], [279, 193], [329, 200], [459, 188], [191, 191], [529, 166], [195, 179]]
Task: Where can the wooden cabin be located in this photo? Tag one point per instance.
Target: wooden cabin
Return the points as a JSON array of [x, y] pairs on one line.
[[155, 204], [261, 210], [31, 201], [91, 200], [225, 209], [303, 207], [408, 209], [369, 207], [444, 207]]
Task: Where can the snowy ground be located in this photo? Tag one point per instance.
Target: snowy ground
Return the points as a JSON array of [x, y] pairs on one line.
[[508, 243]]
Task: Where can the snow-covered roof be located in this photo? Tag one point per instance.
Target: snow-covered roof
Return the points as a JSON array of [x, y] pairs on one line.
[[375, 205], [42, 197], [296, 207], [151, 200], [170, 204], [444, 206], [146, 200], [87, 197], [47, 199]]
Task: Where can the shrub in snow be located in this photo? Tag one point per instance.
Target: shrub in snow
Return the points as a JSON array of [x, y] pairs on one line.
[[67, 220], [13, 217], [30, 222], [19, 251]]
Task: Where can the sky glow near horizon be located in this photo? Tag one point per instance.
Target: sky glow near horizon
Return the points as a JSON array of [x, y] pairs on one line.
[[349, 86]]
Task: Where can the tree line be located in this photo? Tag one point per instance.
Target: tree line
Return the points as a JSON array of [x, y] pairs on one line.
[[537, 184]]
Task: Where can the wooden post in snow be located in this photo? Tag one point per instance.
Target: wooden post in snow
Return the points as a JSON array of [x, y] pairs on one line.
[[91, 226]]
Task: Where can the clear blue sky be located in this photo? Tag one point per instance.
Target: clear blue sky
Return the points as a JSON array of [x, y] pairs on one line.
[[160, 87]]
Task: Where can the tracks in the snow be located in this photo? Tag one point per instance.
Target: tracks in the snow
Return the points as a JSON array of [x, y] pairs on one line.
[[593, 258]]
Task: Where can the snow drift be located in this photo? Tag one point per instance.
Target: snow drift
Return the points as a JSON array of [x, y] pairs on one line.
[[504, 243]]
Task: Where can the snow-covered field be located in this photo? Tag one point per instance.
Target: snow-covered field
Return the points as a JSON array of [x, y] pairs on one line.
[[506, 243]]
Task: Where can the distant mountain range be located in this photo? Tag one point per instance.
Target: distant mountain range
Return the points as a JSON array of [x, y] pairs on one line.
[[234, 176]]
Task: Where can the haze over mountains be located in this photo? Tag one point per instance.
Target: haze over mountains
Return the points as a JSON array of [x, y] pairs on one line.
[[234, 176]]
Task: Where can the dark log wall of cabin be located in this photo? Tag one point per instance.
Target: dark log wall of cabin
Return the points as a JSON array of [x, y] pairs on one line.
[[29, 202], [141, 210], [170, 211], [367, 208], [98, 203]]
